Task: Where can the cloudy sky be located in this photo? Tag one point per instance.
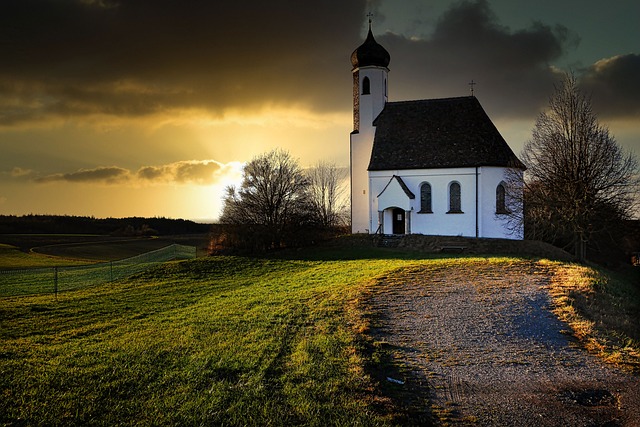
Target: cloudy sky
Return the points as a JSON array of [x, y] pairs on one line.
[[150, 107]]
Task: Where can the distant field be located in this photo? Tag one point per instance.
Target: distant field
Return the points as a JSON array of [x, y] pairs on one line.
[[25, 242], [12, 258], [93, 248]]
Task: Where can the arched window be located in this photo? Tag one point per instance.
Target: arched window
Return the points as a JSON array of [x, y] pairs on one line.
[[385, 87], [366, 86], [455, 205], [425, 198], [501, 205]]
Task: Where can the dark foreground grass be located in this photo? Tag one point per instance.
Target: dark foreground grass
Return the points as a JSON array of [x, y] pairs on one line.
[[217, 341]]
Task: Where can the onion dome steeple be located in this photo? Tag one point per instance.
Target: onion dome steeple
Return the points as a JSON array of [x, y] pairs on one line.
[[370, 53]]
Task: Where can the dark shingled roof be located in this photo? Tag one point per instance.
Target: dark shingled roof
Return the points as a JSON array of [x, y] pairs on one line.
[[438, 133]]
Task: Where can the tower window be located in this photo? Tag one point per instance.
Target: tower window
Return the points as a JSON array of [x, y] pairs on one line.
[[366, 86]]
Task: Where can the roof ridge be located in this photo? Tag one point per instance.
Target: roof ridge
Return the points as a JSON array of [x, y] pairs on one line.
[[412, 101]]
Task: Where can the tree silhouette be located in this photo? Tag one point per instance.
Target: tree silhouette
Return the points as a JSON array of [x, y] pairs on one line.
[[579, 181], [328, 194], [272, 199]]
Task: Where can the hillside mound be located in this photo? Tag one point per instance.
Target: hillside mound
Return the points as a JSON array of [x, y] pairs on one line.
[[464, 245], [484, 246]]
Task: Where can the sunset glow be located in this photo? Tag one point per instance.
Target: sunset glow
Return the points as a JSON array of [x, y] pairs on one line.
[[107, 109]]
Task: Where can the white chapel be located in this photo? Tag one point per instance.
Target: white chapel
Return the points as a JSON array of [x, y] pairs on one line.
[[433, 166]]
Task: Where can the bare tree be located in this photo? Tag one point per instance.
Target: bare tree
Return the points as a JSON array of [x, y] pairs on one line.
[[328, 184], [512, 215], [579, 180], [273, 195]]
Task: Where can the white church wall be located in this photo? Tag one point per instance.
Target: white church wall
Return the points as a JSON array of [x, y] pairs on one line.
[[494, 224], [372, 104], [439, 222], [369, 106], [361, 144], [491, 177], [394, 196]]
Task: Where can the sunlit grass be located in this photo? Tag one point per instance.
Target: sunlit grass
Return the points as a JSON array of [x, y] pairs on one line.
[[228, 340], [602, 309]]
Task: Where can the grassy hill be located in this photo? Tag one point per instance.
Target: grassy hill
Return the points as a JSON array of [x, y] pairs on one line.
[[215, 341], [220, 340], [12, 258]]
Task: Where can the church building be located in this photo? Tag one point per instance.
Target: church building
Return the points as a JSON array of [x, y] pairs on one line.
[[433, 166]]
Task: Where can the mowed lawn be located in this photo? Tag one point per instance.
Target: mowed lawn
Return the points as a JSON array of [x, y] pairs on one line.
[[215, 341]]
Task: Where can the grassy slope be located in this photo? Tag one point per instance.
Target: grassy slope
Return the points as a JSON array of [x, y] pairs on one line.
[[603, 310], [233, 340], [12, 258], [228, 340]]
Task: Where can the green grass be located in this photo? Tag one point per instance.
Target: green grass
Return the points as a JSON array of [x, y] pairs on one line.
[[603, 310], [214, 341], [217, 341], [25, 276], [108, 250], [38, 250], [12, 258]]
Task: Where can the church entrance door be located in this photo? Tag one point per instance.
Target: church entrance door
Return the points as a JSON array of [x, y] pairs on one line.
[[398, 221]]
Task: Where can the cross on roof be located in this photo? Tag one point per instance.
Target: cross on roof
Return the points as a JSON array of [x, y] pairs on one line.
[[472, 84], [370, 15]]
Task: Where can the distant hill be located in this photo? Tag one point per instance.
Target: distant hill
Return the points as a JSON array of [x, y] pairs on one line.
[[133, 226]]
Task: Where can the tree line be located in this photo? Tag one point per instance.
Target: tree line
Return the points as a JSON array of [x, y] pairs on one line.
[[69, 224]]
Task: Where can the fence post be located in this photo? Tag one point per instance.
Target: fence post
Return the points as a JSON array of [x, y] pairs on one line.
[[111, 271]]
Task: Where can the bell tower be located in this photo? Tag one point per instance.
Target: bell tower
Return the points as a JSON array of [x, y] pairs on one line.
[[370, 63]]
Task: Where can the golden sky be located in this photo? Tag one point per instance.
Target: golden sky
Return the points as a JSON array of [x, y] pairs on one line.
[[150, 107]]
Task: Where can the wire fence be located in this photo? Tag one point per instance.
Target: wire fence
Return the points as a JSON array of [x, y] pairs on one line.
[[59, 279]]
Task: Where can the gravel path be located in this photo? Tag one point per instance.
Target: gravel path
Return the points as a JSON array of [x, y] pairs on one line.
[[485, 350]]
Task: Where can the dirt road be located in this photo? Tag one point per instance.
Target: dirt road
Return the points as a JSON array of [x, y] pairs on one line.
[[482, 347]]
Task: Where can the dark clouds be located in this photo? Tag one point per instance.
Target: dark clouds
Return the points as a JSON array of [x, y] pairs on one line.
[[614, 85], [195, 172], [199, 172], [512, 68], [107, 175], [66, 58], [134, 58]]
